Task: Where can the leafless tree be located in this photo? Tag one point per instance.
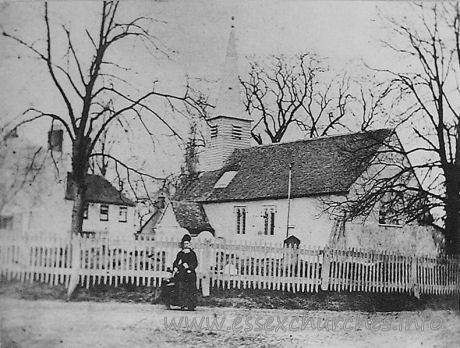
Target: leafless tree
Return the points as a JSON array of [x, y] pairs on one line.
[[425, 90], [388, 184], [431, 91], [19, 167], [100, 164], [282, 94], [94, 93], [370, 105]]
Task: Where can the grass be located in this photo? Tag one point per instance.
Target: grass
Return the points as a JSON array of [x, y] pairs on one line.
[[243, 298]]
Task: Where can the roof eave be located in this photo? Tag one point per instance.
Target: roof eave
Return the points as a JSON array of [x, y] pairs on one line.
[[312, 195], [129, 204], [232, 117]]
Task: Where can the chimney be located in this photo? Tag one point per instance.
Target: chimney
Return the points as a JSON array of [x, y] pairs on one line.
[[12, 134], [55, 138], [161, 202]]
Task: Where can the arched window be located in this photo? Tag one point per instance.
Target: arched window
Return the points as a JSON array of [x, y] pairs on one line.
[[391, 210], [240, 214], [269, 213]]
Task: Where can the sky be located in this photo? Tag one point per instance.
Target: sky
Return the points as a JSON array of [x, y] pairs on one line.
[[196, 34]]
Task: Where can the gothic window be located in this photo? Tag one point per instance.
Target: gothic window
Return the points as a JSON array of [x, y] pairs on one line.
[[269, 213], [391, 209], [240, 215]]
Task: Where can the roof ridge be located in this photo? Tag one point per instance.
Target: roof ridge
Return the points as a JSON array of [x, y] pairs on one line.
[[320, 138]]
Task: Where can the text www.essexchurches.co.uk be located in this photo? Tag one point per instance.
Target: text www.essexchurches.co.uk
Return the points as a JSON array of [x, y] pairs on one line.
[[250, 323]]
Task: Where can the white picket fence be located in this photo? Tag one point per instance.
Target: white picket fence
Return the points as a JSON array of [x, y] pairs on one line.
[[144, 262]]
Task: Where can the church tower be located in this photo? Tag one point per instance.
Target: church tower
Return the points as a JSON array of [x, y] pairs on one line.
[[229, 124]]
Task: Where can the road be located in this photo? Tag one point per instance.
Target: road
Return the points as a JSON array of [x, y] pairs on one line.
[[44, 323]]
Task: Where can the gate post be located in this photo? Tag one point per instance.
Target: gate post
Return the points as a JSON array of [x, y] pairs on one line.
[[325, 269], [413, 276], [205, 265], [75, 249]]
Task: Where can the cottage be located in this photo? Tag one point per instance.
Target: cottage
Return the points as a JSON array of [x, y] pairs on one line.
[[108, 211], [36, 194], [272, 192]]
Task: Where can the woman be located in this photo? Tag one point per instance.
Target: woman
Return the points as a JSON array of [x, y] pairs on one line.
[[184, 274]]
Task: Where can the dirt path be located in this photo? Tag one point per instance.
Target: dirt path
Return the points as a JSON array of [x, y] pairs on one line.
[[89, 324]]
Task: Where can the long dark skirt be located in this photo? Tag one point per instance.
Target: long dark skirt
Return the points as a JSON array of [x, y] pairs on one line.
[[180, 291], [187, 290]]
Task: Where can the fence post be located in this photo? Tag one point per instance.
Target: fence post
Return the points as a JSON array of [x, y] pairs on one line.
[[325, 269], [413, 276], [205, 264], [75, 265]]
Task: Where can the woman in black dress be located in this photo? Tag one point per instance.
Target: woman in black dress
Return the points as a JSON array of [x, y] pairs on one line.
[[185, 275]]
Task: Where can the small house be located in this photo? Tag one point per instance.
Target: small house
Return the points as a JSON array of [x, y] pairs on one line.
[[36, 196]]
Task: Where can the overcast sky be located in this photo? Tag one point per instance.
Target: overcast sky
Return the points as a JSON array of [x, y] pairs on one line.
[[196, 33]]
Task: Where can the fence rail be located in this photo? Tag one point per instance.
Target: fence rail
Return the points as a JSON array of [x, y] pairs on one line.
[[144, 262]]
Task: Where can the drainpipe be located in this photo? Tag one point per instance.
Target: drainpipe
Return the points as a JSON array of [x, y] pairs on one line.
[[289, 199]]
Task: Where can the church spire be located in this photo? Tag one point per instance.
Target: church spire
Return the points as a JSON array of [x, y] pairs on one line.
[[229, 124], [229, 101]]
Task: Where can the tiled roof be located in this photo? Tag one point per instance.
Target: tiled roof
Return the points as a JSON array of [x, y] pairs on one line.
[[99, 190], [323, 165], [191, 216]]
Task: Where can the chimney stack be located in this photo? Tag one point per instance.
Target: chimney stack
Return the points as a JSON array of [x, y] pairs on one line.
[[161, 202], [12, 134], [55, 139]]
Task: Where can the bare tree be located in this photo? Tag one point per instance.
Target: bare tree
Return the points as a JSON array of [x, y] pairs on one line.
[[19, 167], [370, 106], [94, 93], [104, 145], [388, 184], [281, 94], [424, 90], [191, 151], [429, 90]]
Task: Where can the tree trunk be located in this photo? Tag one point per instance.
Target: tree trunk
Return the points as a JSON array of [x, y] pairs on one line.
[[452, 224], [452, 232], [78, 210], [80, 164]]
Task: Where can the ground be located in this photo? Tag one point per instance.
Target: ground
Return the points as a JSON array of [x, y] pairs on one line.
[[38, 315], [56, 323]]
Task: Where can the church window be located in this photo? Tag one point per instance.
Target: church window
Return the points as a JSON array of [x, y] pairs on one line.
[[240, 214], [269, 213], [391, 209]]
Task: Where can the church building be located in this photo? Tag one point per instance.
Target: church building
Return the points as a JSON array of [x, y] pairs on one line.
[[276, 192]]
